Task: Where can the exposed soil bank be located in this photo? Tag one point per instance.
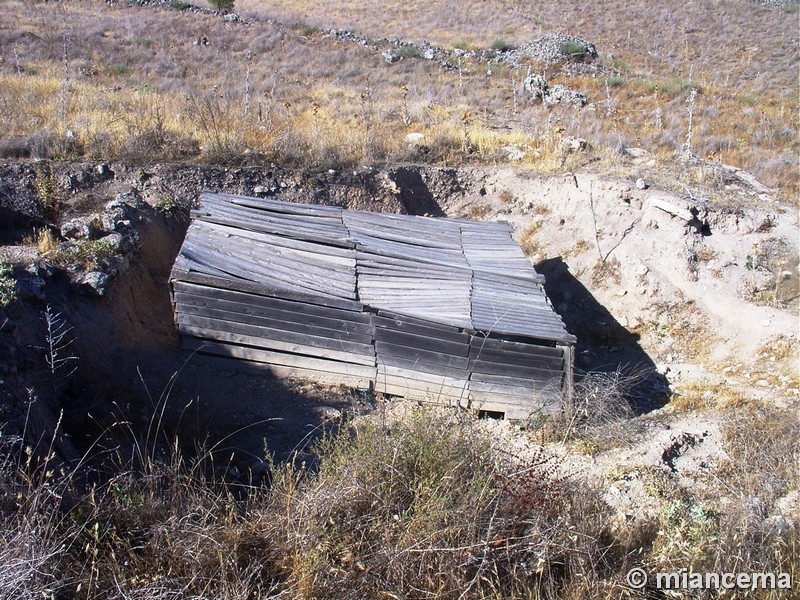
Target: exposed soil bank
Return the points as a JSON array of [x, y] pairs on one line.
[[646, 280]]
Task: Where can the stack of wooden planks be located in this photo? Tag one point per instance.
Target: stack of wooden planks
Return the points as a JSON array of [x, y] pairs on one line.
[[446, 310]]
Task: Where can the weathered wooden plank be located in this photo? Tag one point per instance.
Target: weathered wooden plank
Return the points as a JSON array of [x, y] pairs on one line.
[[458, 347], [292, 208], [326, 252], [514, 387], [246, 366], [385, 381], [440, 398], [269, 276], [303, 251], [418, 327], [486, 370], [524, 359], [198, 328], [552, 383], [423, 367], [501, 345], [414, 375], [417, 355], [280, 229], [270, 317], [262, 290], [259, 330], [278, 358], [247, 208], [262, 262]]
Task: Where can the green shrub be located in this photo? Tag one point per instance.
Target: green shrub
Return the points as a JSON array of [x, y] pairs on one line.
[[573, 49], [501, 45], [408, 51], [8, 291], [222, 5]]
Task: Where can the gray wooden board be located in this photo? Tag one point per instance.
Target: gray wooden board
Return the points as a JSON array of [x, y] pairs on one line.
[[406, 239], [264, 291], [424, 320], [485, 370], [280, 229], [423, 367], [263, 260], [247, 366], [408, 383], [326, 252], [247, 335], [252, 270], [504, 384], [517, 391], [526, 330], [415, 327], [428, 343], [444, 227], [415, 273], [187, 260], [310, 328], [294, 208], [247, 210], [415, 355], [489, 344], [290, 320], [442, 397], [315, 255], [456, 319], [420, 377], [533, 367], [278, 358]]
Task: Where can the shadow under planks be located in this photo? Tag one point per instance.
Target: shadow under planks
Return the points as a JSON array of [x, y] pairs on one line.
[[604, 345]]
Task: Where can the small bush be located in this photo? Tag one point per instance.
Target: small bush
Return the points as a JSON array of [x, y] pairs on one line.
[[8, 290], [408, 51], [573, 49], [223, 5], [501, 45]]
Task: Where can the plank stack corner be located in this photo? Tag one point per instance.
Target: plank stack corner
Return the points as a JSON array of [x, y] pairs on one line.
[[440, 310]]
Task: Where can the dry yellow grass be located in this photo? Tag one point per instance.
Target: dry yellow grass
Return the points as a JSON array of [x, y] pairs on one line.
[[124, 80]]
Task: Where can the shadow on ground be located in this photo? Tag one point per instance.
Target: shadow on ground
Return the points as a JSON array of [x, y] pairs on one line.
[[603, 344]]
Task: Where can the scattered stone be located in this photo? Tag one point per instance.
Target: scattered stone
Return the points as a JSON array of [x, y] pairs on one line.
[[573, 144], [391, 57], [513, 153], [93, 283], [552, 48], [80, 228], [559, 94], [640, 184], [415, 138]]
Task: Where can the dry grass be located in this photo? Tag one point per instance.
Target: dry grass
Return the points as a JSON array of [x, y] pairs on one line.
[[105, 81]]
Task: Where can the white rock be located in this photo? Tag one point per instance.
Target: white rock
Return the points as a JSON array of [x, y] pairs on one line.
[[415, 138], [513, 153], [640, 184]]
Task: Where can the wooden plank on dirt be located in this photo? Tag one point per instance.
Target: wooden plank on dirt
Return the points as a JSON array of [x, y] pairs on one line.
[[422, 367], [257, 335], [265, 291], [270, 317], [459, 347], [417, 355], [246, 366], [486, 344], [272, 344], [278, 358], [539, 372]]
